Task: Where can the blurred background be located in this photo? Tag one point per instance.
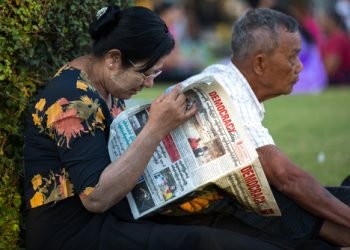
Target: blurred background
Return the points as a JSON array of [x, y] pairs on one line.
[[313, 124], [202, 30]]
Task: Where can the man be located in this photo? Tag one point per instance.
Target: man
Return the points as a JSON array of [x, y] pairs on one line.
[[264, 65]]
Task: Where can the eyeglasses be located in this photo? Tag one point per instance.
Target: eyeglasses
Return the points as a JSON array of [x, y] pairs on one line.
[[147, 78]]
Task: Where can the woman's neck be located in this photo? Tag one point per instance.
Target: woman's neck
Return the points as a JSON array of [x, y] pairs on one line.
[[91, 66]]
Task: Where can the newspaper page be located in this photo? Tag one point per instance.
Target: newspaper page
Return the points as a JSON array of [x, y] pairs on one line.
[[211, 147]]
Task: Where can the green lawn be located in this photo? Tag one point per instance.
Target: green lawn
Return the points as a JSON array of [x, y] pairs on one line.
[[313, 130], [309, 126]]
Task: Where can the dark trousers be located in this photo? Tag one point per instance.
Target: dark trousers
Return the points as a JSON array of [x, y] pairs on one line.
[[295, 229]]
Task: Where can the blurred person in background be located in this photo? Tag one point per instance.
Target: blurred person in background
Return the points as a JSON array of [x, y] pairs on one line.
[[178, 66], [343, 9], [261, 3], [335, 47], [303, 12], [313, 78]]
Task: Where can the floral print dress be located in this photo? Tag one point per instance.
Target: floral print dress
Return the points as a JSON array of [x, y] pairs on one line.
[[66, 139], [65, 153]]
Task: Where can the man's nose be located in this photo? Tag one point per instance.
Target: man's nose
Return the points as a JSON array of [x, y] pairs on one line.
[[299, 67]]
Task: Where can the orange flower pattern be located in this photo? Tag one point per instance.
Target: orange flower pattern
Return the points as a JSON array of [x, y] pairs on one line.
[[54, 187], [68, 119], [63, 121]]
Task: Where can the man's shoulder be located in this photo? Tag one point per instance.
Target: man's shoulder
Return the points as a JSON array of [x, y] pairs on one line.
[[216, 68]]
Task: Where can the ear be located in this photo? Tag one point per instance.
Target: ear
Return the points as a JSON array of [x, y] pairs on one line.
[[259, 63], [113, 58]]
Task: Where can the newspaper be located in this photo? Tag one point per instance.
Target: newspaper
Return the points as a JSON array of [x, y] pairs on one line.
[[209, 148]]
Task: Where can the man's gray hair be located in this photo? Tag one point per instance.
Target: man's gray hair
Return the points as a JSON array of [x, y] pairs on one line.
[[258, 30]]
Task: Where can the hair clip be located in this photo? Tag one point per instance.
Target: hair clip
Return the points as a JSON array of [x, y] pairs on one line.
[[101, 12]]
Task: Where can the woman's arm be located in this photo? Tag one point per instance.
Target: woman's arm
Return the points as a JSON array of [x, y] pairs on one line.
[[166, 113]]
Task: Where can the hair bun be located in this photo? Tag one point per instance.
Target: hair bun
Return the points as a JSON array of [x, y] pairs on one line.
[[106, 19], [101, 12]]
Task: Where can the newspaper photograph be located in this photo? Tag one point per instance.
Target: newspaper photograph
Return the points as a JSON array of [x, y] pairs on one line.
[[211, 147]]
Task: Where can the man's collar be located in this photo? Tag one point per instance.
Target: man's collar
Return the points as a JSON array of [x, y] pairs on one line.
[[244, 83]]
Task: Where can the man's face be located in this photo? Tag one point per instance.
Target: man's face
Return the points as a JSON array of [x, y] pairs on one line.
[[283, 66]]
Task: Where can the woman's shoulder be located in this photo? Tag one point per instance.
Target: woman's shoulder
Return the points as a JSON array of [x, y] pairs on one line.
[[68, 74], [68, 82]]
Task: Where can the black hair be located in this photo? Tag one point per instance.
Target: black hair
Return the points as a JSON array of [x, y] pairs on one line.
[[336, 17], [258, 30], [253, 3], [138, 32]]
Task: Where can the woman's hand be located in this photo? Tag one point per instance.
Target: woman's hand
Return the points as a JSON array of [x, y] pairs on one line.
[[168, 111]]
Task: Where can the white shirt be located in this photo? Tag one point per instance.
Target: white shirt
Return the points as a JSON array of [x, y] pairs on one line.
[[250, 109]]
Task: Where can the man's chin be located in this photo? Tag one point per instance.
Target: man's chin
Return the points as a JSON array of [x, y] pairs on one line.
[[290, 89]]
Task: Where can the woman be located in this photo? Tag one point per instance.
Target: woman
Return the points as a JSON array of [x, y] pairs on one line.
[[335, 47], [75, 196]]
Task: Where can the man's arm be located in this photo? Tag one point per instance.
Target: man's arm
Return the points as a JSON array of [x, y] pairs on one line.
[[301, 187]]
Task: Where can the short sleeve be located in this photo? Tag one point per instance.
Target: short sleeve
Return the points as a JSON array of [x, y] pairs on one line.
[[252, 117], [77, 119], [258, 134]]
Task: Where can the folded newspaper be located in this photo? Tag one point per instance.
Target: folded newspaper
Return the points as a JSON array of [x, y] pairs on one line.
[[209, 148]]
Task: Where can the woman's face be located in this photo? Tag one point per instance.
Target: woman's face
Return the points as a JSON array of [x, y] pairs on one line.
[[127, 82]]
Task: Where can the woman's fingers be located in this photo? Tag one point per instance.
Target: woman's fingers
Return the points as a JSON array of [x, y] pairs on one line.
[[190, 111], [171, 109], [175, 92]]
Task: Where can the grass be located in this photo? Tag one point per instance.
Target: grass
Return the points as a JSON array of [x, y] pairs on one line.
[[313, 130]]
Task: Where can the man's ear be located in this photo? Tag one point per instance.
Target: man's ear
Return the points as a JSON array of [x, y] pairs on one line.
[[113, 58], [259, 63]]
